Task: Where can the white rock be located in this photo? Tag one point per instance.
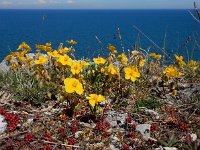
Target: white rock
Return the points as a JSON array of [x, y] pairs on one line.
[[170, 148], [29, 121], [48, 113], [151, 112], [78, 133], [4, 67], [87, 125], [116, 119], [144, 129], [3, 125], [115, 138], [112, 147], [193, 136], [108, 101], [166, 148]]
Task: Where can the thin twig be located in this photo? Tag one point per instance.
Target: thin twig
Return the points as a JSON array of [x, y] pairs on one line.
[[192, 113], [12, 135], [54, 143], [194, 17], [151, 41]]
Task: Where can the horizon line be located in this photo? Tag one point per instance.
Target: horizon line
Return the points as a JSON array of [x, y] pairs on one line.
[[96, 8]]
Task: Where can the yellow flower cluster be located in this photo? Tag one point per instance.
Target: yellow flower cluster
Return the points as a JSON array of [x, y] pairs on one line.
[[155, 56], [72, 42], [73, 85], [193, 64], [78, 78], [64, 60], [99, 60], [94, 99], [112, 49], [132, 73], [172, 72], [47, 47], [41, 60], [24, 46], [111, 70], [123, 59], [179, 60]]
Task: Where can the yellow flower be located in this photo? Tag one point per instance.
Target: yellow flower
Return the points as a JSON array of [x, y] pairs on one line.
[[24, 46], [9, 57], [174, 92], [41, 60], [94, 99], [48, 47], [172, 72], [65, 60], [63, 50], [76, 68], [131, 72], [29, 60], [84, 64], [155, 56], [53, 54], [179, 60], [73, 85], [112, 49], [99, 60], [40, 47], [192, 64], [14, 65], [140, 60], [110, 59], [24, 52], [72, 42], [15, 54], [111, 70], [22, 59], [135, 52], [123, 59]]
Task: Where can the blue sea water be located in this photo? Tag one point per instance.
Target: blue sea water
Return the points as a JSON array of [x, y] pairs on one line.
[[55, 26]]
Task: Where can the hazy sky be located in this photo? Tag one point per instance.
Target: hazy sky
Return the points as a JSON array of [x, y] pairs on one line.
[[96, 4]]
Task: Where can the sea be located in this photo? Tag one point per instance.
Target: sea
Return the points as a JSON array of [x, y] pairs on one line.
[[175, 31]]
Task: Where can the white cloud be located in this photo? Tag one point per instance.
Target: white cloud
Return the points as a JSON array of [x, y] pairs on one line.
[[6, 3], [41, 1], [70, 1], [55, 1]]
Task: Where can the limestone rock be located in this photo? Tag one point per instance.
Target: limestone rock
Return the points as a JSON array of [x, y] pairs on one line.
[[144, 129], [116, 119], [3, 125]]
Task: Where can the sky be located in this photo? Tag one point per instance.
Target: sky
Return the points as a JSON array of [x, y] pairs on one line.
[[96, 4]]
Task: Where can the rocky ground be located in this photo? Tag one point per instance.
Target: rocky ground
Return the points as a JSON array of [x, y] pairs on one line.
[[174, 125]]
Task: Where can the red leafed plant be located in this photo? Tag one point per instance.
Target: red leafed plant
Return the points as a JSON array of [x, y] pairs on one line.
[[11, 118]]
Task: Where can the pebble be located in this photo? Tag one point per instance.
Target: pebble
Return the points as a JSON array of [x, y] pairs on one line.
[[3, 125], [144, 129]]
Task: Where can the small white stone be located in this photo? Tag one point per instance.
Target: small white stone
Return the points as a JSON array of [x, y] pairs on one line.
[[166, 148], [48, 113], [193, 136], [78, 133], [112, 147], [144, 129], [115, 138], [170, 148], [3, 125], [29, 121], [108, 101]]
